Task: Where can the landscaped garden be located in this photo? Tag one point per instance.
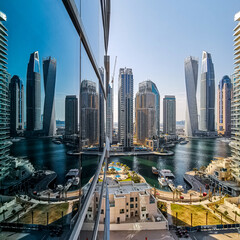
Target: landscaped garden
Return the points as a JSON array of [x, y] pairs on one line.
[[200, 216]]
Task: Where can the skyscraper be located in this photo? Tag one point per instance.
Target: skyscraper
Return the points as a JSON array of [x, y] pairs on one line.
[[109, 117], [125, 108], [224, 97], [49, 76], [101, 112], [4, 103], [207, 94], [169, 115], [89, 112], [147, 111], [33, 93], [191, 76], [16, 92], [235, 117], [71, 115]]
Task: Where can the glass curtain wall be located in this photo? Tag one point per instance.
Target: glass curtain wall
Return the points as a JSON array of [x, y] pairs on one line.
[[43, 50]]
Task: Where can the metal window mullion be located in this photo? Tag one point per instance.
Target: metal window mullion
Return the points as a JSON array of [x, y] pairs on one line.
[[96, 225], [78, 225]]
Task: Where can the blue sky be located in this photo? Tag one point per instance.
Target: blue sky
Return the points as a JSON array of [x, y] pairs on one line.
[[152, 37]]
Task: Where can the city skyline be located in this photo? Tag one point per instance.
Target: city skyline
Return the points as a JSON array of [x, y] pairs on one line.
[[223, 37]]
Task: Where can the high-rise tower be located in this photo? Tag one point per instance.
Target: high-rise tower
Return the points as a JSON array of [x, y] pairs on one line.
[[16, 91], [235, 117], [224, 97], [191, 76], [169, 115], [71, 115], [4, 103], [207, 94], [125, 108], [89, 112], [109, 112], [147, 111], [49, 76], [33, 93]]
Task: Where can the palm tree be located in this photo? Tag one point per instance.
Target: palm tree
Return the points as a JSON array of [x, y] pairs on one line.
[[118, 163]]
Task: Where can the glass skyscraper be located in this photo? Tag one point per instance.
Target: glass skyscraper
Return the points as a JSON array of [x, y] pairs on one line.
[[89, 113], [16, 91], [169, 115], [147, 111], [33, 93], [109, 112], [224, 97], [49, 76], [191, 77], [125, 107], [207, 94], [71, 115]]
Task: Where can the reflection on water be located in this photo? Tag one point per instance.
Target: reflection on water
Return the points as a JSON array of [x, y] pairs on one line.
[[44, 154]]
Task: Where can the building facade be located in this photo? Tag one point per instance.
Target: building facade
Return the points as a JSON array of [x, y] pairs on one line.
[[169, 115], [16, 94], [109, 117], [235, 116], [101, 113], [33, 93], [71, 115], [89, 112], [191, 78], [125, 108], [4, 103], [224, 97], [207, 94], [49, 76], [146, 110], [128, 202]]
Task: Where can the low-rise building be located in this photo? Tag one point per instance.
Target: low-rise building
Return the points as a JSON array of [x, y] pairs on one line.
[[129, 203]]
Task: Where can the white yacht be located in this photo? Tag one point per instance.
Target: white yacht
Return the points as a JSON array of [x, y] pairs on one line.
[[162, 181]]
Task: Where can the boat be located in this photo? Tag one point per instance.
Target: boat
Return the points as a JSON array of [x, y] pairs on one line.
[[15, 139], [76, 181], [180, 188], [169, 145], [166, 173], [183, 142], [171, 184], [162, 181], [73, 173], [154, 171], [56, 141]]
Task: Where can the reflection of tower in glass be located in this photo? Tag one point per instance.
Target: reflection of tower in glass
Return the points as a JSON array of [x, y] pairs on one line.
[[89, 112], [4, 103], [101, 112], [71, 115], [125, 107], [16, 91], [33, 93], [49, 75], [109, 112], [147, 110], [207, 94], [191, 76]]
